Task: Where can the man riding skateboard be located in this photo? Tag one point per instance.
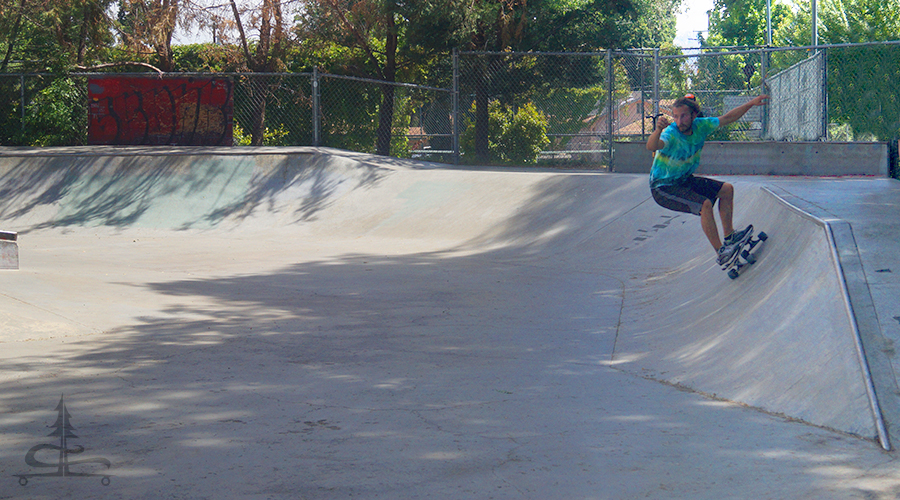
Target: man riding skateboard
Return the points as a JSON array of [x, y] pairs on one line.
[[672, 180]]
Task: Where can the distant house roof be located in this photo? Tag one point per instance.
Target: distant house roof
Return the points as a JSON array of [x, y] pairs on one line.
[[629, 117]]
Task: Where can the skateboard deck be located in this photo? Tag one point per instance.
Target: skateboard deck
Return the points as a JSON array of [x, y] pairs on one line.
[[745, 257]]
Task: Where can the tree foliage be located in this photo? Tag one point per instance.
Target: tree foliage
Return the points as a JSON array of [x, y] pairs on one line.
[[516, 136], [743, 22], [54, 35], [150, 23], [861, 96]]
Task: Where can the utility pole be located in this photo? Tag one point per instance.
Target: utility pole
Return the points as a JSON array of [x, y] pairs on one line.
[[815, 24]]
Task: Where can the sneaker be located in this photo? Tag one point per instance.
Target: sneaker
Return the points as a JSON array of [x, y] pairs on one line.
[[727, 254], [738, 235]]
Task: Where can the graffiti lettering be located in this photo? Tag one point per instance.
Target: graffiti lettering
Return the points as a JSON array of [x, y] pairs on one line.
[[150, 111]]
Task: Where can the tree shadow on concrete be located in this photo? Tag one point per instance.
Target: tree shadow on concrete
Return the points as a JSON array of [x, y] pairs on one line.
[[169, 192], [375, 375]]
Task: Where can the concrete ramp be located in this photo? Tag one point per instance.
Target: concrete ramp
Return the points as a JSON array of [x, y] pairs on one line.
[[383, 328], [780, 337], [327, 193]]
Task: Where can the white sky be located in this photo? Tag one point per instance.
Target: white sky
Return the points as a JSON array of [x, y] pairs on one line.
[[691, 19]]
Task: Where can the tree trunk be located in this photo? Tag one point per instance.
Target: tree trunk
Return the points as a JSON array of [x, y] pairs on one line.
[[258, 95], [13, 35], [385, 121], [386, 113]]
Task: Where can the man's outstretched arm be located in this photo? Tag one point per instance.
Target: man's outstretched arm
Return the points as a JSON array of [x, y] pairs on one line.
[[736, 113]]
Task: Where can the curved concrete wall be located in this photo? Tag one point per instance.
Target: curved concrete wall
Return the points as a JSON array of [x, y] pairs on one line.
[[779, 338]]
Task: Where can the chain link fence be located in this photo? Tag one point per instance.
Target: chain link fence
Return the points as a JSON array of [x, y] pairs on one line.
[[307, 109], [559, 109], [720, 80], [555, 109], [272, 109]]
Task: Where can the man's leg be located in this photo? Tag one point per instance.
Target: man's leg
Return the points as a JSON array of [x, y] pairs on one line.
[[708, 223], [696, 196], [726, 209]]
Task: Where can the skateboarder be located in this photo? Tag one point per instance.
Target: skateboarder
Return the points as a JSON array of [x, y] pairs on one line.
[[672, 180]]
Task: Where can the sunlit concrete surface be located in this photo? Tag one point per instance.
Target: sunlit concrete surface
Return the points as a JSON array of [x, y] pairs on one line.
[[316, 324]]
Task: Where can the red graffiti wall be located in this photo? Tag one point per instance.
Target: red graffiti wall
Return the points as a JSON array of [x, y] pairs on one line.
[[179, 111]]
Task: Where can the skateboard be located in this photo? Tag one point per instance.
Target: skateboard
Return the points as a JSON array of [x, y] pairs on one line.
[[745, 257]]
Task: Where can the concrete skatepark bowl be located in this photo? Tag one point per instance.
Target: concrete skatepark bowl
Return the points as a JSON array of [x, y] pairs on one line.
[[316, 324]]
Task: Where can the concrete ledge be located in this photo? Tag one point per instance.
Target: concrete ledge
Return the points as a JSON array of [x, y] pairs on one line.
[[771, 158], [9, 250]]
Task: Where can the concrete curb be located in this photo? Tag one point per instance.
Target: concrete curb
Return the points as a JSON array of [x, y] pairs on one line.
[[9, 250]]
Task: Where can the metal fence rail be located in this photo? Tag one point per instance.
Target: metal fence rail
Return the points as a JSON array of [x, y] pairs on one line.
[[564, 109]]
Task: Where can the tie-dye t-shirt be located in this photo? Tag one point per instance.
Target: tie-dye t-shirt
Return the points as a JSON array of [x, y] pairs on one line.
[[681, 156]]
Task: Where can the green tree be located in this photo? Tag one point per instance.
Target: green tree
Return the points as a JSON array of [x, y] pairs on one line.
[[57, 116], [861, 80], [152, 23], [516, 137], [742, 24], [383, 40], [261, 46], [590, 25], [553, 25], [54, 35], [858, 21]]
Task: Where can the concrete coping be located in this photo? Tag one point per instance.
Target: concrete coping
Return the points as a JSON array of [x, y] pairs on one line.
[[154, 151]]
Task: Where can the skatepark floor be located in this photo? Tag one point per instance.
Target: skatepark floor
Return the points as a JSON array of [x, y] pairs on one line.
[[316, 324]]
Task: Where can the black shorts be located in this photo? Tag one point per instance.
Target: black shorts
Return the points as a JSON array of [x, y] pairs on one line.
[[689, 195]]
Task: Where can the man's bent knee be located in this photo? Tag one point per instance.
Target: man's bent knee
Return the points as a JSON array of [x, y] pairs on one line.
[[727, 191]]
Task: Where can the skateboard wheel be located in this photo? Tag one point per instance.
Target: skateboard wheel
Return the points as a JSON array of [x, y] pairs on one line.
[[751, 259], [733, 274], [745, 255], [762, 236]]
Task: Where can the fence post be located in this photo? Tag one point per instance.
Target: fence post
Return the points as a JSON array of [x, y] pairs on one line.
[[22, 99], [316, 121], [455, 106], [894, 157], [610, 107], [824, 95], [655, 83], [763, 88]]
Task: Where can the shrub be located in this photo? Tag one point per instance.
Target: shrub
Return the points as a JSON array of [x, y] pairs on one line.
[[514, 137], [57, 116]]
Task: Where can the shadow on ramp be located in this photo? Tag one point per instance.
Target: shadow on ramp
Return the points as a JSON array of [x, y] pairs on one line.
[[780, 338], [176, 191]]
